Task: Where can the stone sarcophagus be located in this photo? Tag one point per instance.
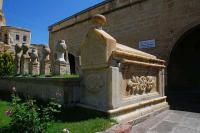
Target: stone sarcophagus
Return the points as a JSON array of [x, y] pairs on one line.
[[124, 82]]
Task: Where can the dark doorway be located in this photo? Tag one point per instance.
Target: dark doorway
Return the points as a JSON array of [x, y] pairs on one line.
[[72, 63], [183, 88]]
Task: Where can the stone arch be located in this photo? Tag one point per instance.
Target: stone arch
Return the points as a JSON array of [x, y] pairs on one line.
[[183, 83], [179, 34], [72, 63]]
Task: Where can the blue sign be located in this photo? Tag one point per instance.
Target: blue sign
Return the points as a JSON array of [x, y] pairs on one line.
[[147, 44]]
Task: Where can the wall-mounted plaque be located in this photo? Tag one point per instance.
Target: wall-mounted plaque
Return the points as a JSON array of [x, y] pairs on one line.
[[147, 44]]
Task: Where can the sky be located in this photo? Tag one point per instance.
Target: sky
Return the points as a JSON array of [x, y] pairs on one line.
[[37, 15]]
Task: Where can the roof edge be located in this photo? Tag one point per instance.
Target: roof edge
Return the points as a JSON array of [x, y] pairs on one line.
[[18, 28], [81, 12]]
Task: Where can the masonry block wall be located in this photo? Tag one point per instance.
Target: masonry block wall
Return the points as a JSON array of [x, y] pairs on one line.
[[131, 21]]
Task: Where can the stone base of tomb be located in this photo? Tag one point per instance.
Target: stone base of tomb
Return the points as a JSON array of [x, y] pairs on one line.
[[45, 68], [135, 113], [34, 69], [17, 70], [25, 66], [61, 68]]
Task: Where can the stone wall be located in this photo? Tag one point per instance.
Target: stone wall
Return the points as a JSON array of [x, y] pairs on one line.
[[131, 21], [67, 91]]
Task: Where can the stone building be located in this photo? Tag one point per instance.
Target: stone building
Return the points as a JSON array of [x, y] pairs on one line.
[[2, 18], [12, 35], [168, 29]]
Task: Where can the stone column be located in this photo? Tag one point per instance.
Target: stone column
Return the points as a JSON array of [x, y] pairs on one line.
[[61, 66], [34, 64], [18, 50], [25, 60], [45, 61]]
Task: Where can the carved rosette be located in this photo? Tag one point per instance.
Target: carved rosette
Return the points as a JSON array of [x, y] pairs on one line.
[[95, 83], [140, 85]]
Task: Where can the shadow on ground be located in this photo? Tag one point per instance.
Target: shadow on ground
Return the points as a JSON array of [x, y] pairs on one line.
[[77, 114], [184, 99]]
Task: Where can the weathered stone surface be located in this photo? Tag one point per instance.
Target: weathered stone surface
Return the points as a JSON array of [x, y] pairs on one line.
[[25, 60], [130, 21], [162, 124], [121, 128], [190, 123], [119, 80], [3, 20], [164, 127], [175, 117], [45, 61], [60, 48], [18, 49], [34, 64], [9, 34], [34, 69], [99, 45], [61, 66], [180, 129], [66, 91]]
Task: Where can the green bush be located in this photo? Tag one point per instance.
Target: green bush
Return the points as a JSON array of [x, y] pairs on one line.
[[6, 64], [28, 117]]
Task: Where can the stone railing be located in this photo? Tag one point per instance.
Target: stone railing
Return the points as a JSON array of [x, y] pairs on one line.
[[124, 82], [65, 90]]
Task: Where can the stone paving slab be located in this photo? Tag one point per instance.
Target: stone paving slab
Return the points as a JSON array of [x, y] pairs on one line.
[[170, 121]]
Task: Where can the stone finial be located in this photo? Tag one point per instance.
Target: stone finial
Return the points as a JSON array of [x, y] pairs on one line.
[[61, 48], [25, 48], [45, 53], [98, 20], [34, 56]]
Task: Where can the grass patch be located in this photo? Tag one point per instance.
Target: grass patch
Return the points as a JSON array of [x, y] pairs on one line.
[[4, 120], [65, 76], [87, 126], [80, 120], [76, 120], [47, 76]]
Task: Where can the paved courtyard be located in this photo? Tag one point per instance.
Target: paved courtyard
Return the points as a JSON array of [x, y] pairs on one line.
[[170, 121]]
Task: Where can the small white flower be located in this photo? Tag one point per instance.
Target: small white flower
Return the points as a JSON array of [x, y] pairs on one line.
[[65, 130]]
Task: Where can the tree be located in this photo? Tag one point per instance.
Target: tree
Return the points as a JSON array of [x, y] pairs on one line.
[[6, 64]]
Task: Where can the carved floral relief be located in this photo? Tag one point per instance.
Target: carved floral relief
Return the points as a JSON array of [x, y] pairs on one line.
[[140, 85]]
